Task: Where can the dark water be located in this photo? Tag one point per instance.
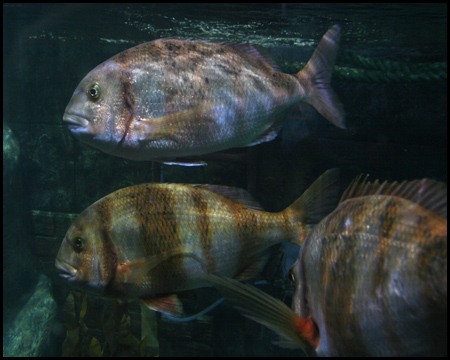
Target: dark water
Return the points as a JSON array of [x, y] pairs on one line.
[[395, 100]]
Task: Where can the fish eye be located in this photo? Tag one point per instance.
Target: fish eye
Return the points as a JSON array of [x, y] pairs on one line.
[[93, 91], [291, 275], [78, 242]]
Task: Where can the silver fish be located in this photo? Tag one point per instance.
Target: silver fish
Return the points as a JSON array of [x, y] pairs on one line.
[[371, 278], [168, 99]]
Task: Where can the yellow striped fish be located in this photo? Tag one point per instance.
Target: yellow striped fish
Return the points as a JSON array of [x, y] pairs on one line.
[[149, 241]]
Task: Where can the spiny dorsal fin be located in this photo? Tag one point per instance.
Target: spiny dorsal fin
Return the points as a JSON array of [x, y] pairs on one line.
[[427, 193]]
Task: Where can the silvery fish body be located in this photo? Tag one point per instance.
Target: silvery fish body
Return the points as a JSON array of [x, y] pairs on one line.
[[371, 278], [149, 241], [170, 98]]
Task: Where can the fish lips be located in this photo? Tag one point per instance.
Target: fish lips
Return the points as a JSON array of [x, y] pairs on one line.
[[76, 122], [69, 272]]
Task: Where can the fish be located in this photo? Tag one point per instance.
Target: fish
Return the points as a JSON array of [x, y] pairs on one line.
[[370, 279], [152, 241], [169, 99]]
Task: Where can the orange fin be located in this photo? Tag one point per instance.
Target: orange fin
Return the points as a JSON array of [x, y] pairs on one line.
[[295, 331], [169, 304]]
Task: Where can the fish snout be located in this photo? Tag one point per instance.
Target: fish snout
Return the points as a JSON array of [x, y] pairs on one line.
[[68, 271], [75, 121]]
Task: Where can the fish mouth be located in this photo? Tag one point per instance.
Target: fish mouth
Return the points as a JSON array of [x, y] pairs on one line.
[[69, 272], [75, 121]]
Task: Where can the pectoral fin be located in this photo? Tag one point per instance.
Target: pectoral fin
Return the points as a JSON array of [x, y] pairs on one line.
[[295, 331], [133, 270], [165, 126]]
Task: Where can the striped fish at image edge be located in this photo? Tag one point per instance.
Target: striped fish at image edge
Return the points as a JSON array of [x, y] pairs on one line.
[[371, 277]]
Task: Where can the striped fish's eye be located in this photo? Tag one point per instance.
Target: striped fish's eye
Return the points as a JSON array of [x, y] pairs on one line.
[[291, 275], [78, 243], [93, 91]]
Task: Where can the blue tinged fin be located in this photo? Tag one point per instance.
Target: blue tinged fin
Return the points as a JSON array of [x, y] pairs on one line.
[[181, 162]]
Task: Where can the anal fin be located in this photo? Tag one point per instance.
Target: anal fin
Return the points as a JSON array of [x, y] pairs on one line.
[[254, 268], [169, 304]]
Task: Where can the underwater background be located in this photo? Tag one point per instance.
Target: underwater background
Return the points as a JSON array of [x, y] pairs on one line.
[[390, 75]]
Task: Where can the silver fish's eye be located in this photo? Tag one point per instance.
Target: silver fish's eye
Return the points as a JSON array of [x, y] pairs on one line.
[[93, 91]]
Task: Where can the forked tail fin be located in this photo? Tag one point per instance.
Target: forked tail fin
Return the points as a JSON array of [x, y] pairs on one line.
[[316, 75], [316, 202]]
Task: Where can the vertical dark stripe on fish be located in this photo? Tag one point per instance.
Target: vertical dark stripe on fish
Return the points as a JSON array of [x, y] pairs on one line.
[[204, 231], [159, 231], [128, 104], [339, 252], [386, 220], [249, 228], [108, 260], [388, 213]]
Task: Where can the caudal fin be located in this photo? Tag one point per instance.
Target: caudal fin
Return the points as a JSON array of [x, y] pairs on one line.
[[316, 75], [317, 201]]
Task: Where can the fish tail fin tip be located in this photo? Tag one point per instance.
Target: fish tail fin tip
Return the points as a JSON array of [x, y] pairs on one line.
[[317, 201], [316, 77]]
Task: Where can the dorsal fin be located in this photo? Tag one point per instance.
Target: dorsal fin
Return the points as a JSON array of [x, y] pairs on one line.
[[427, 193], [239, 195]]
